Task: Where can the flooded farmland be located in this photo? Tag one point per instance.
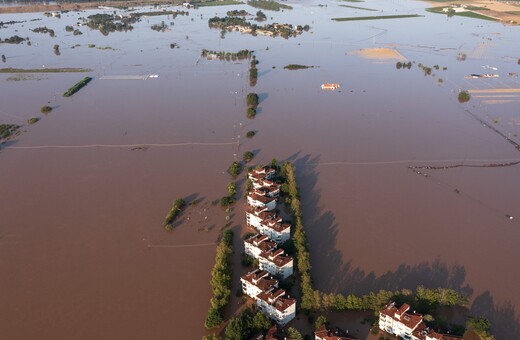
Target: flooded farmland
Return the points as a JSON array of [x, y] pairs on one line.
[[85, 190]]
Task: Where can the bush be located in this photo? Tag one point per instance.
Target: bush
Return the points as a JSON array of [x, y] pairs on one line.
[[46, 109], [464, 96], [226, 201], [33, 120], [232, 189], [248, 156], [251, 113], [234, 169], [78, 86], [178, 204], [252, 100], [250, 134]]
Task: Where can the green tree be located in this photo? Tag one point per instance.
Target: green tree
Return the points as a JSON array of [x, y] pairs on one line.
[[480, 326], [294, 334], [248, 156], [234, 169], [213, 319], [252, 100], [46, 109], [250, 134], [464, 96], [3, 58], [261, 322], [320, 321], [232, 189]]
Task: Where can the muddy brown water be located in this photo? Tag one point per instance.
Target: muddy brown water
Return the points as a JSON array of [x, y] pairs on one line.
[[82, 251]]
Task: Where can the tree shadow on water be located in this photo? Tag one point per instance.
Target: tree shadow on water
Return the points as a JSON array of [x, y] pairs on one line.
[[332, 274]]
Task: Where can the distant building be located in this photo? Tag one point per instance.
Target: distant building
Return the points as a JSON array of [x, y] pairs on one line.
[[276, 306], [256, 282], [328, 86], [257, 244], [276, 263], [338, 334]]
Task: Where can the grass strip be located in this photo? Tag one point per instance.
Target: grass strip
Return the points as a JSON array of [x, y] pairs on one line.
[[44, 70], [380, 17]]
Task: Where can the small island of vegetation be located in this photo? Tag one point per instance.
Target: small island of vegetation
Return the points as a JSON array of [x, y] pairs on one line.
[[78, 86], [222, 55], [7, 130], [297, 67], [248, 156], [242, 25], [252, 104], [46, 109], [44, 30], [250, 134], [13, 40], [464, 96], [33, 120], [237, 13], [178, 204]]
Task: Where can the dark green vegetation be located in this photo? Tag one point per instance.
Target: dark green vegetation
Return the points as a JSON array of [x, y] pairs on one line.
[[268, 5], [230, 198], [252, 104], [253, 72], [238, 23], [299, 238], [77, 32], [220, 280], [44, 30], [69, 28], [57, 49], [46, 109], [481, 327], [234, 169], [250, 134], [464, 96], [43, 70], [297, 67], [260, 16], [518, 62], [107, 23], [162, 27], [12, 40], [252, 100], [7, 130], [3, 58], [178, 204], [222, 55], [469, 14], [399, 65], [237, 13], [32, 120], [247, 324], [83, 82], [379, 17], [361, 8], [248, 156], [215, 3]]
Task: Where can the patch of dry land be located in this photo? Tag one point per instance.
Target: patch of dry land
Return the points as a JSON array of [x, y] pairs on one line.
[[495, 91], [380, 54], [507, 13]]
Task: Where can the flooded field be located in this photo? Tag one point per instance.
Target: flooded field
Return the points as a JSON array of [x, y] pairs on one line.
[[82, 250]]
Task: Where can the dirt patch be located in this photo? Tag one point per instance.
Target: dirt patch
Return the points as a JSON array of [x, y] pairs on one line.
[[380, 54], [495, 91]]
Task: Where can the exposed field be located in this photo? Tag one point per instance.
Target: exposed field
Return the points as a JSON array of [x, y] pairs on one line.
[[495, 91], [380, 54], [378, 17], [43, 70], [487, 10]]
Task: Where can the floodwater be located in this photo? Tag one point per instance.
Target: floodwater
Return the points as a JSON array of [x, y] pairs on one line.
[[82, 250]]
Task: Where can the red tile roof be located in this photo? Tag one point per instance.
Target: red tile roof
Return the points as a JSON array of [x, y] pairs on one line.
[[277, 257], [409, 320], [260, 279], [338, 334]]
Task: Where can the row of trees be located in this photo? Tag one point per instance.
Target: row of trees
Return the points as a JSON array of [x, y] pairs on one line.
[[253, 72], [7, 130], [78, 86], [223, 55], [252, 101], [177, 206], [220, 281], [44, 30], [268, 5]]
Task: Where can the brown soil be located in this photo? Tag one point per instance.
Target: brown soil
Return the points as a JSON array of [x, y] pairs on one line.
[[380, 54]]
